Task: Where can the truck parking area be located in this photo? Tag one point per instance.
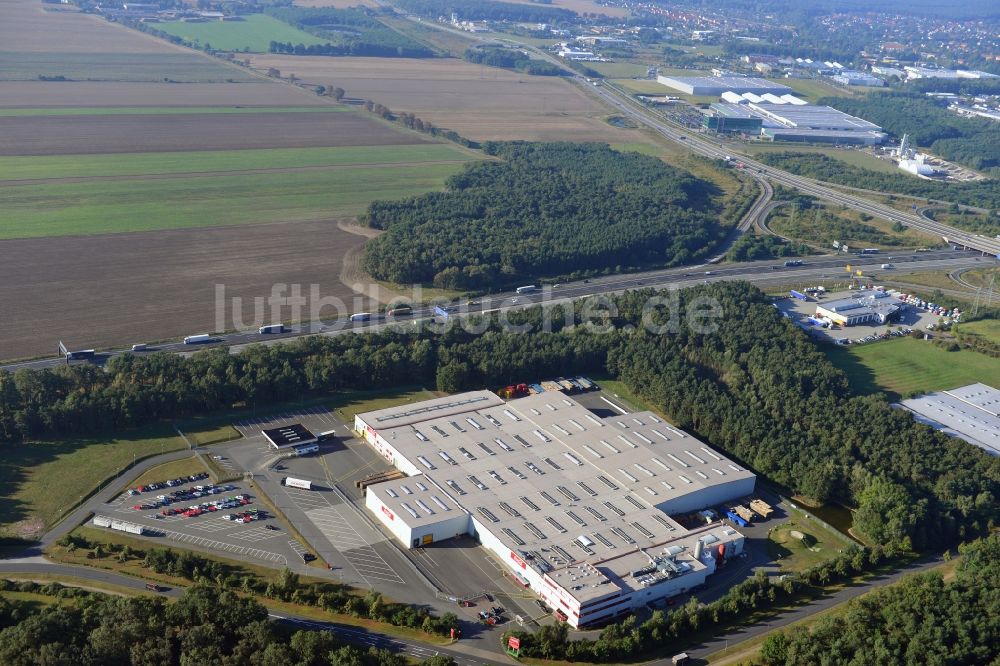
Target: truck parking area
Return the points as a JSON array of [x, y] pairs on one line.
[[799, 312]]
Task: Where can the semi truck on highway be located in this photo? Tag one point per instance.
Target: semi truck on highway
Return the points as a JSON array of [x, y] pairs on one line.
[[80, 353], [361, 316], [291, 482], [197, 339], [271, 328], [527, 289]]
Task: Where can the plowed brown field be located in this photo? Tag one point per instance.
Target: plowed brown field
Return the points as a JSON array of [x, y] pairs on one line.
[[93, 291], [35, 94], [77, 135]]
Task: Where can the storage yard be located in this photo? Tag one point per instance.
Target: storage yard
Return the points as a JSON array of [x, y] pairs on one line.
[[577, 508]]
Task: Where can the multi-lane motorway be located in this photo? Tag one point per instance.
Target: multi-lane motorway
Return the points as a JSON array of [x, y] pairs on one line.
[[761, 272]]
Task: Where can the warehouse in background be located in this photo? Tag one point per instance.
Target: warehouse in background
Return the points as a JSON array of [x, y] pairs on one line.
[[716, 85], [577, 507], [970, 412]]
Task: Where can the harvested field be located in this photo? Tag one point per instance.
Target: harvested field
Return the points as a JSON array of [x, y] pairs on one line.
[[163, 68], [582, 6], [27, 26], [476, 101], [118, 289], [74, 135], [33, 94]]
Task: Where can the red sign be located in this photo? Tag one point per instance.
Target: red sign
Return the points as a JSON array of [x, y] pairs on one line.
[[514, 643], [388, 513], [517, 558]]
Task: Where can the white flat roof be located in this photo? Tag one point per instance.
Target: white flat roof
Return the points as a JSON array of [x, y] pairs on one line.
[[969, 412], [548, 478]]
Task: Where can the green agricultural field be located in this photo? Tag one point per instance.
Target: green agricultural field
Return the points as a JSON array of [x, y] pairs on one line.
[[143, 164], [154, 67], [812, 89], [619, 70], [645, 87], [339, 186], [40, 481], [163, 110], [255, 33], [905, 366]]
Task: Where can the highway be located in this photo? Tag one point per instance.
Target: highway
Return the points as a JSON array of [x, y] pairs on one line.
[[700, 145], [761, 272]]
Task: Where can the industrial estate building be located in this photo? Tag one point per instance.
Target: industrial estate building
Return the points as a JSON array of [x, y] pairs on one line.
[[577, 507], [288, 436], [863, 307], [971, 412], [716, 85], [781, 119]]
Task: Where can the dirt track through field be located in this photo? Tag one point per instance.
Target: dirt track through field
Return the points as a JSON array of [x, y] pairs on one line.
[[234, 172], [77, 135], [95, 291]]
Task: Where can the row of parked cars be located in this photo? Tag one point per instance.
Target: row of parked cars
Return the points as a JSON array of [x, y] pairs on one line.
[[209, 507], [185, 495], [875, 337], [160, 485]]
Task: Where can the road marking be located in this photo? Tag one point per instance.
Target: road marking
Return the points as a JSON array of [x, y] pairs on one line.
[[229, 547], [623, 411]]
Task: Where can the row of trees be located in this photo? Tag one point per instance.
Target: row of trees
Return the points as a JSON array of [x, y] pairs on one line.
[[286, 586], [411, 121], [489, 10], [756, 388], [205, 626], [512, 59], [544, 209], [922, 620], [971, 141], [355, 32], [982, 194]]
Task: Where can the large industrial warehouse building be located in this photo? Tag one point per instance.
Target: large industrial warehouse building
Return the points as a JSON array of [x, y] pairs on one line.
[[716, 85], [576, 506], [789, 121]]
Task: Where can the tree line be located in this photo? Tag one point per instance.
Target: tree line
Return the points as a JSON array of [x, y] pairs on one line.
[[286, 586], [489, 10], [757, 388], [354, 32], [921, 620], [544, 209], [206, 625], [512, 59], [974, 142]]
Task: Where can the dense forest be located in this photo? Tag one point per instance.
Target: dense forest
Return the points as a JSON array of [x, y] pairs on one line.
[[544, 209], [349, 31], [512, 59], [753, 247], [922, 620], [984, 194], [756, 388], [974, 142], [205, 626], [489, 10]]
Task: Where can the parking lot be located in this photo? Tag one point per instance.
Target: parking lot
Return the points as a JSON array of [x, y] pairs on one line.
[[224, 518]]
